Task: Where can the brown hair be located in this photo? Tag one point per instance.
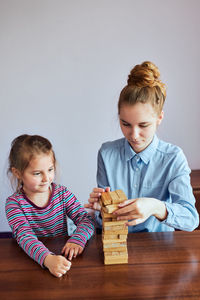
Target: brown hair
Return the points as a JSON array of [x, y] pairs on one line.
[[144, 85], [23, 149]]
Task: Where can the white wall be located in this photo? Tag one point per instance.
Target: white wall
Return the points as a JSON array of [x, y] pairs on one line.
[[63, 64]]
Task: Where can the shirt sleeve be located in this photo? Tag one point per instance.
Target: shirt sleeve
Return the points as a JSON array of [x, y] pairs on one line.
[[23, 233], [182, 213], [102, 180], [83, 221]]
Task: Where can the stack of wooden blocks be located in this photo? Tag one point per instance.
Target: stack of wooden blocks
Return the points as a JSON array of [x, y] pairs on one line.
[[114, 235]]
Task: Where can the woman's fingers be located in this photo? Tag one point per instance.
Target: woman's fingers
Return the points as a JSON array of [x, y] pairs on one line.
[[125, 207]]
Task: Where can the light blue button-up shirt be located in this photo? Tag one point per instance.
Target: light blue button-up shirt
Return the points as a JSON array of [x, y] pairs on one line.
[[160, 171]]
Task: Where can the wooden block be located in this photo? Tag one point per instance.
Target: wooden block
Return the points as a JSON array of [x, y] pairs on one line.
[[110, 208], [114, 223], [122, 231], [115, 198], [115, 253], [115, 260], [116, 242], [107, 215], [122, 236], [114, 226], [110, 236], [121, 195], [122, 247], [105, 198]]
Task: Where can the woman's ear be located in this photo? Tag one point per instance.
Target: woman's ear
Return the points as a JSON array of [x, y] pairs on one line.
[[16, 173], [160, 118]]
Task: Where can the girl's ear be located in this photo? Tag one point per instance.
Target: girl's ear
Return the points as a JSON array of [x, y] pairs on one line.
[[16, 173], [160, 117]]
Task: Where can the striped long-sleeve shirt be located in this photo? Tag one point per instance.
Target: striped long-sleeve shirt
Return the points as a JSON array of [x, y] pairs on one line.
[[29, 222]]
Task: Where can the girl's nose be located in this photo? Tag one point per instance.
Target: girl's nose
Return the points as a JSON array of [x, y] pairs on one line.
[[45, 178]]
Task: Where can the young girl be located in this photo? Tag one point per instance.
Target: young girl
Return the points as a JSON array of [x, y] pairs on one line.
[[153, 174], [39, 207]]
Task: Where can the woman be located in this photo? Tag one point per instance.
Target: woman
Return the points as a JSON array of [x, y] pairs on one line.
[[153, 174]]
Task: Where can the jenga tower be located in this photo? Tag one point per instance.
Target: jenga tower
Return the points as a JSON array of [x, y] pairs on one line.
[[114, 235]]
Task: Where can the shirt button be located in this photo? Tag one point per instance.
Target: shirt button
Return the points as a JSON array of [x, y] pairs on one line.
[[135, 185], [136, 169]]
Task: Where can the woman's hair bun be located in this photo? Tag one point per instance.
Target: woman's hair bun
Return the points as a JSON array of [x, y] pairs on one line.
[[146, 74]]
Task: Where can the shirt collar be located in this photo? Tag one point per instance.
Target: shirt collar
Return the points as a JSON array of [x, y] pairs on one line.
[[145, 155]]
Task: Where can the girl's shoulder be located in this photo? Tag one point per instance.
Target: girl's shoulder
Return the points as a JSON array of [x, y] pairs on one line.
[[15, 200], [16, 196], [60, 190]]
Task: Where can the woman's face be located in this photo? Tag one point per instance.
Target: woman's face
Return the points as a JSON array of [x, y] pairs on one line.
[[138, 123]]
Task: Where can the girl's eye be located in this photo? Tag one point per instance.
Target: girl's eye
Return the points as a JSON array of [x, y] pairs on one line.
[[36, 173], [50, 170]]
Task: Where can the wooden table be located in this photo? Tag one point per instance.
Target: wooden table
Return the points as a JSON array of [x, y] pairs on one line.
[[161, 266]]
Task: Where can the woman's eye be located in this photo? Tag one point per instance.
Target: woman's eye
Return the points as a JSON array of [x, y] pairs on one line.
[[125, 124], [143, 126], [50, 170]]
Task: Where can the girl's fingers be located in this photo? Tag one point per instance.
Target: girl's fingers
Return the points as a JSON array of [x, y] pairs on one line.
[[80, 250], [71, 254], [75, 252]]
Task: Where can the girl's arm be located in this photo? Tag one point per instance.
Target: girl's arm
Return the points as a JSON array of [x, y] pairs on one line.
[[83, 221], [23, 232], [28, 241]]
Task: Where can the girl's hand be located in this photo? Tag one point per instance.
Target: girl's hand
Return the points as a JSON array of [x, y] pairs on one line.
[[140, 209], [71, 250], [94, 198], [57, 264]]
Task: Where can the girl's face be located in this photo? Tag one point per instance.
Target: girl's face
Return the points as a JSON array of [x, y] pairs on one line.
[[138, 123], [39, 174]]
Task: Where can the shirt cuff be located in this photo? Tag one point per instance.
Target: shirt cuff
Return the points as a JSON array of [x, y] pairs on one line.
[[98, 219]]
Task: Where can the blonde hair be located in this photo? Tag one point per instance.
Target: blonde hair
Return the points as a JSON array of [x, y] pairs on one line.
[[23, 149], [144, 85]]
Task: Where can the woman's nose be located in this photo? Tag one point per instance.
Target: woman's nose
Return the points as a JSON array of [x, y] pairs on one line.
[[135, 133]]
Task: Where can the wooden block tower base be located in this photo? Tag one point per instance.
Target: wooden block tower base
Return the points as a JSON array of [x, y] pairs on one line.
[[114, 234]]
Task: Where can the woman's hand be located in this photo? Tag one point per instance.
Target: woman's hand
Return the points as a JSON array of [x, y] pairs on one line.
[[71, 250], [94, 198], [139, 210], [58, 265]]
